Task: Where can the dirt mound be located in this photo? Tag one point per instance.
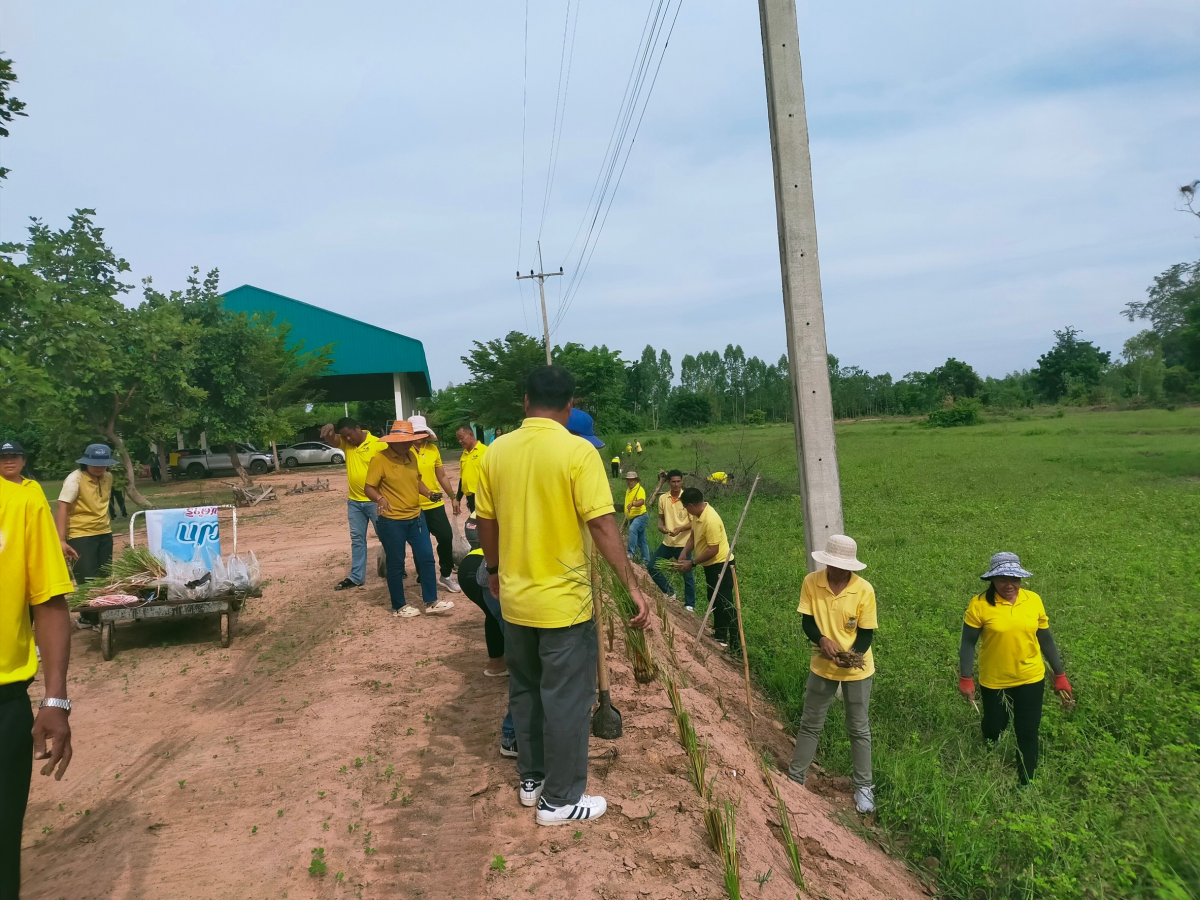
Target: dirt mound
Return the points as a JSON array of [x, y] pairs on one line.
[[330, 726]]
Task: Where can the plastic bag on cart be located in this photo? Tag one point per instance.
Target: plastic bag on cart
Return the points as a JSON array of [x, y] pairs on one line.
[[244, 573], [186, 581]]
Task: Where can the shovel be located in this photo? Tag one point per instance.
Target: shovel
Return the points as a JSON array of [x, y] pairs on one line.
[[606, 720]]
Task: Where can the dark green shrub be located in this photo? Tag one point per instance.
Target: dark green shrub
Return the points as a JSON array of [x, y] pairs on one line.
[[963, 412]]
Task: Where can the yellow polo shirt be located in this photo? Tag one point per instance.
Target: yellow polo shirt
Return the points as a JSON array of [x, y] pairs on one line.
[[32, 570], [358, 460], [839, 618], [429, 460], [675, 515], [397, 480], [542, 486], [89, 516], [635, 493], [707, 530], [468, 467], [1009, 652]]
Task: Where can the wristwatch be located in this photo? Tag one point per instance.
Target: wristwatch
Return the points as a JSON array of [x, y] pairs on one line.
[[56, 703], [493, 570]]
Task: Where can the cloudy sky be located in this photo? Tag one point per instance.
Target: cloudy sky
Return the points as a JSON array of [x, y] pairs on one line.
[[984, 173]]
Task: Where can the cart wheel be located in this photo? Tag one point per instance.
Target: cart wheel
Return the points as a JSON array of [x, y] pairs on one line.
[[108, 641], [228, 620]]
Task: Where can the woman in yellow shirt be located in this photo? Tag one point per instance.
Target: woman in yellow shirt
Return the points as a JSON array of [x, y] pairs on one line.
[[1010, 626]]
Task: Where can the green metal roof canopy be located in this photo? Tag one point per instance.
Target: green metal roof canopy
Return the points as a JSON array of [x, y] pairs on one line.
[[365, 357]]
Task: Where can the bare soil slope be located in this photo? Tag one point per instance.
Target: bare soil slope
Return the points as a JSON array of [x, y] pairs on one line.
[[207, 773]]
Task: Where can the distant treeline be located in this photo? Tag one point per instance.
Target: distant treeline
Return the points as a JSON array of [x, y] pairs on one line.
[[1160, 365]]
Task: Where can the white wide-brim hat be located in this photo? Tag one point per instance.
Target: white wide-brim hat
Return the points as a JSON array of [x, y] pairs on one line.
[[841, 552], [419, 424]]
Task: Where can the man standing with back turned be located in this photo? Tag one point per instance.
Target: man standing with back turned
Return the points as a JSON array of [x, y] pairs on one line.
[[360, 448], [537, 491]]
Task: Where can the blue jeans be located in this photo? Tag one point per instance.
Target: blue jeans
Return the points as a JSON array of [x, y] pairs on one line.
[[662, 551], [360, 513], [639, 547], [506, 727], [396, 534]]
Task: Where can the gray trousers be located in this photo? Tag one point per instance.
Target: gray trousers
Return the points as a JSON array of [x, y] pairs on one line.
[[551, 688], [818, 695]]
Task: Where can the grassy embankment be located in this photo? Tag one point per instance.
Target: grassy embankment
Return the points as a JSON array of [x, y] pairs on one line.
[[1104, 508]]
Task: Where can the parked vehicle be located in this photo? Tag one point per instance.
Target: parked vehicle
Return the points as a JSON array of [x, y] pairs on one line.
[[310, 453], [202, 463]]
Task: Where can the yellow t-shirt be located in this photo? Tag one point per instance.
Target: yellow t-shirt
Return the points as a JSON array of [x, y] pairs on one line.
[[89, 516], [616, 459], [1009, 652], [468, 467], [637, 446], [707, 530], [429, 460], [839, 618], [675, 515], [397, 480], [719, 477], [32, 570], [541, 486], [637, 492], [358, 460]]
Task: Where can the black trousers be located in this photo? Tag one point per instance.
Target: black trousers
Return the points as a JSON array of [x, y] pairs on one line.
[[439, 529], [115, 499], [16, 769], [493, 631], [724, 613], [1026, 703], [616, 469], [156, 473], [95, 552]]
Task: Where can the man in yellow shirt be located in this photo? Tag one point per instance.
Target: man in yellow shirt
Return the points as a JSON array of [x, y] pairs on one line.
[[33, 575], [837, 609], [360, 447], [433, 507], [394, 484], [538, 490], [12, 461], [708, 546], [636, 518], [468, 464], [84, 526], [675, 525], [615, 465]]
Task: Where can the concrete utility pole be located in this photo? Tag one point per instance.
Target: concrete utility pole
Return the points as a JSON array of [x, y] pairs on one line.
[[812, 400], [541, 280]]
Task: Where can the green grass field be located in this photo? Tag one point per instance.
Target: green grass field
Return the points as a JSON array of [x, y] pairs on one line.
[[1104, 508]]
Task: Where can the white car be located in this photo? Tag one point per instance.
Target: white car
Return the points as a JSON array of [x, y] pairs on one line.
[[311, 453]]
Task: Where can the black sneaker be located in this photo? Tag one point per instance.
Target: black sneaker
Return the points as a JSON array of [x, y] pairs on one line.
[[346, 583], [508, 749]]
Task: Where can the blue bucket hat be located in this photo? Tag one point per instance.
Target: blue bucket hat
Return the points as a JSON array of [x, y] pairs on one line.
[[581, 424], [97, 455], [1005, 564]]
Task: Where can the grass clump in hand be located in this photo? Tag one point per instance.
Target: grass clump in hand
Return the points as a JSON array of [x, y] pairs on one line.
[[620, 600]]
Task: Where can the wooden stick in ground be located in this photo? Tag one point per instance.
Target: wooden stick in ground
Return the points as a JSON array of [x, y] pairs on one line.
[[737, 603], [713, 599]]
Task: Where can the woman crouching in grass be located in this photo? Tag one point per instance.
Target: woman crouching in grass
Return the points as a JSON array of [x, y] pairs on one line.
[[1015, 634]]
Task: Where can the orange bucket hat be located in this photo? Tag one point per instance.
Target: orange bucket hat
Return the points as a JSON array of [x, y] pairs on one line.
[[402, 433]]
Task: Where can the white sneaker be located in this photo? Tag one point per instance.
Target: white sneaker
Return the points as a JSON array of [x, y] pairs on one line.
[[531, 791], [864, 800], [436, 609], [405, 612], [585, 809], [450, 583]]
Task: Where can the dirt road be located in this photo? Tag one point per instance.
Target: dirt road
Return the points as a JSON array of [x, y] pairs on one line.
[[207, 773]]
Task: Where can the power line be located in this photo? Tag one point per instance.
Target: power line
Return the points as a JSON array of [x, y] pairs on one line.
[[524, 107], [560, 109], [619, 150]]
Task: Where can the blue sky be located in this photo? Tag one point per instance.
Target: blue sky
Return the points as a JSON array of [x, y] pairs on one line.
[[982, 175]]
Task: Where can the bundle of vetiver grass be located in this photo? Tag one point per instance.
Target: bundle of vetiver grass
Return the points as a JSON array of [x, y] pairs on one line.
[[620, 601], [135, 568]]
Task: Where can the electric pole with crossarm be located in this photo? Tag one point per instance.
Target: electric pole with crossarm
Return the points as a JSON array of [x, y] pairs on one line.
[[541, 280]]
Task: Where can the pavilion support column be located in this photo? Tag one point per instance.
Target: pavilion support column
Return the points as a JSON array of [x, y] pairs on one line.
[[398, 390]]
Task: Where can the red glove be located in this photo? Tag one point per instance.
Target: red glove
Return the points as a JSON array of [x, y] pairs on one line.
[[965, 684], [1061, 683]]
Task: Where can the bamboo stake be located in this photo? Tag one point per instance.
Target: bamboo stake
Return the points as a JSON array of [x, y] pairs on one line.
[[737, 602], [713, 599]]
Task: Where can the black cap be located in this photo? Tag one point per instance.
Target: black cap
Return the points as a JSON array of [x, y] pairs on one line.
[[11, 448]]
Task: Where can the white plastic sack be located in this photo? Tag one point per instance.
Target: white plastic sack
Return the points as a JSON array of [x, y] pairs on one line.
[[461, 546], [186, 581], [244, 572]]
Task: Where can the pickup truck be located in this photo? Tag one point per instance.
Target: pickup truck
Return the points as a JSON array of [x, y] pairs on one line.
[[202, 463]]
